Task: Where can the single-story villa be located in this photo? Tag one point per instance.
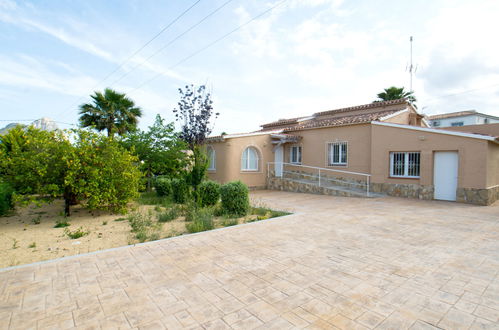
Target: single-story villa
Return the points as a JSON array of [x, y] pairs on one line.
[[382, 147]]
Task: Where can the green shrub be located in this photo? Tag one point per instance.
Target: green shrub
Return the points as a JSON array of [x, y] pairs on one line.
[[144, 227], [169, 215], [6, 202], [180, 190], [61, 223], [235, 198], [163, 186], [209, 193], [76, 234], [201, 220]]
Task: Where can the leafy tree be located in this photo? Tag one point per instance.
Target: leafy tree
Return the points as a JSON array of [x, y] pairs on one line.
[[94, 169], [395, 93], [194, 112], [159, 149], [111, 111], [101, 172]]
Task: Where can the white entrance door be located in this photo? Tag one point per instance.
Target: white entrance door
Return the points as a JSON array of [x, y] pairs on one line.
[[445, 171], [278, 159]]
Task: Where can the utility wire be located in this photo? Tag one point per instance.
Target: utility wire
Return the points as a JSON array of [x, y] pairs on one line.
[[172, 41], [462, 92], [134, 53], [207, 46]]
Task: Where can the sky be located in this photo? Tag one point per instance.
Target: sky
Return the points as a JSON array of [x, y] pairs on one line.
[[297, 57]]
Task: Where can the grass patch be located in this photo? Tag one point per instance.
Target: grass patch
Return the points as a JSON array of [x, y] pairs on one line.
[[200, 220], [32, 245], [61, 223], [120, 219], [144, 228], [77, 233], [169, 215], [229, 222], [150, 198]]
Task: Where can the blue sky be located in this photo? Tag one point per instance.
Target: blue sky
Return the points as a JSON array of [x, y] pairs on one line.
[[302, 57]]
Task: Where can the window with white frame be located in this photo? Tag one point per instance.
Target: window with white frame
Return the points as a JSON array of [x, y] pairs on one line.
[[249, 159], [212, 158], [295, 155], [405, 164], [337, 153]]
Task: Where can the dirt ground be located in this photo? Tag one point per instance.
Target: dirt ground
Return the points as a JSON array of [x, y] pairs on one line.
[[22, 241], [29, 235]]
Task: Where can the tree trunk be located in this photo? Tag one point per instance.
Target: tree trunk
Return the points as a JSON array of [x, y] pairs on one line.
[[69, 198]]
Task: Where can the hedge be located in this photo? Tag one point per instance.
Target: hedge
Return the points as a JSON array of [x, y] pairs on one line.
[[209, 193]]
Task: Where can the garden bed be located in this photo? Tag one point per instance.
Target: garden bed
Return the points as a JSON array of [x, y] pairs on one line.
[[28, 235]]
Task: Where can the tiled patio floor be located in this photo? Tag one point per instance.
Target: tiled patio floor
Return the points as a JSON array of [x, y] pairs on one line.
[[337, 262]]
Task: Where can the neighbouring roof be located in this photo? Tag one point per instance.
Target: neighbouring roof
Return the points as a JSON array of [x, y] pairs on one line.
[[441, 131], [460, 114]]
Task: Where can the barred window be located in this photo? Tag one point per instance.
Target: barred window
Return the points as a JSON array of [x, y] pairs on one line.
[[337, 153], [405, 164]]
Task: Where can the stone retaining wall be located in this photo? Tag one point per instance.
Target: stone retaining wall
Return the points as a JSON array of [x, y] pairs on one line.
[[478, 196], [293, 186], [403, 190]]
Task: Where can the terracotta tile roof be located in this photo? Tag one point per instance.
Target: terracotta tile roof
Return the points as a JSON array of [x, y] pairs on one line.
[[282, 122], [362, 107], [341, 121], [315, 119]]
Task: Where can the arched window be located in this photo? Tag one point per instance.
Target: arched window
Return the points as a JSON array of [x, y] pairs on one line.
[[249, 159], [212, 158]]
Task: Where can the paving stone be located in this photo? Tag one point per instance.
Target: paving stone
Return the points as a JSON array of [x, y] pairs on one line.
[[336, 262]]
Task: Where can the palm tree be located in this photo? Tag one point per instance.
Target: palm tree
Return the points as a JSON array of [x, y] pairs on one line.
[[395, 93], [110, 111]]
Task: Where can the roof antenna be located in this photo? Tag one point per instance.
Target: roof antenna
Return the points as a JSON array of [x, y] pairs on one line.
[[411, 67]]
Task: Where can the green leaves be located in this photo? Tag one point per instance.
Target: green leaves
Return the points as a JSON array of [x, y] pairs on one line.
[[396, 93], [111, 111], [93, 169]]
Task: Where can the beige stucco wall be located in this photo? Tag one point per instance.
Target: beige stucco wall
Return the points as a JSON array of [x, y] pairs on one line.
[[228, 160], [493, 165], [314, 146], [473, 163]]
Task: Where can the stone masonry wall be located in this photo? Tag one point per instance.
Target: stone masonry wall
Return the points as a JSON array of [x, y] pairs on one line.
[[294, 186], [404, 190], [478, 196]]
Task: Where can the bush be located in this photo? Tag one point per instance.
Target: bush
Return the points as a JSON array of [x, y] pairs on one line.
[[6, 202], [201, 220], [169, 215], [163, 186], [180, 189], [144, 227], [209, 193], [235, 198]]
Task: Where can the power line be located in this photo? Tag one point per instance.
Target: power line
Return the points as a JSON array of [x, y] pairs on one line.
[[135, 53], [208, 46], [462, 92], [172, 41]]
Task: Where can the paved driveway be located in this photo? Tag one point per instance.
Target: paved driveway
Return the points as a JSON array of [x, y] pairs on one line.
[[337, 262]]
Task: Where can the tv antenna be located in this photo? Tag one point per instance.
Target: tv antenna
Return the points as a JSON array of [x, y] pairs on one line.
[[411, 68]]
